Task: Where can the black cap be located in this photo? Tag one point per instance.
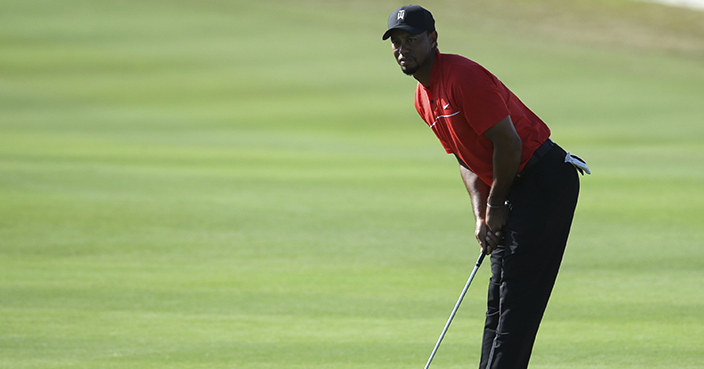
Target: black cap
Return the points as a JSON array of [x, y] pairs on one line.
[[410, 18]]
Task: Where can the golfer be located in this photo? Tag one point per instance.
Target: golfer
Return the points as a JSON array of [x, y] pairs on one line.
[[523, 186]]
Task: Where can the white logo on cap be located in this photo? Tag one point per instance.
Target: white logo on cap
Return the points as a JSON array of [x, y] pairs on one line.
[[401, 14]]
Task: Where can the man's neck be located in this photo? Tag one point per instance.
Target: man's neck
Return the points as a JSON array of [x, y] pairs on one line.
[[423, 73]]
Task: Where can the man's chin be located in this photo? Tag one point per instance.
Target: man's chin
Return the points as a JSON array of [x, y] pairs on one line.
[[409, 71]]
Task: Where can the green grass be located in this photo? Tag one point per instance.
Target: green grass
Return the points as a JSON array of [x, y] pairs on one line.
[[239, 184]]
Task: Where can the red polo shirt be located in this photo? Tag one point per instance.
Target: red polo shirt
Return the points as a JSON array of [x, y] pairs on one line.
[[462, 101]]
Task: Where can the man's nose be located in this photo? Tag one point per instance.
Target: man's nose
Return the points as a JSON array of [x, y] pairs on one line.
[[402, 48]]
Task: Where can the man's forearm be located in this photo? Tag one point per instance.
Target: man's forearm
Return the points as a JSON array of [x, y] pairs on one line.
[[507, 159], [478, 191]]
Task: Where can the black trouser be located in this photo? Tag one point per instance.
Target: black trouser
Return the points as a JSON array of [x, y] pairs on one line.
[[525, 266]]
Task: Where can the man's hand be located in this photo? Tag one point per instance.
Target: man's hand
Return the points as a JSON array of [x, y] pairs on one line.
[[488, 240], [496, 218], [489, 220]]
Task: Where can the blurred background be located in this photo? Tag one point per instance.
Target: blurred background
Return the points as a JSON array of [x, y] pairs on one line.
[[240, 184]]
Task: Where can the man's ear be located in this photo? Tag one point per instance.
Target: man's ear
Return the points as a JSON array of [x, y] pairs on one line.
[[433, 37]]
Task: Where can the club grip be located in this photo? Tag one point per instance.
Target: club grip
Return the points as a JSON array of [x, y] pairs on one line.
[[481, 258]]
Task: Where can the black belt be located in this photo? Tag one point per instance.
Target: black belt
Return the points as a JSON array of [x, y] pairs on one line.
[[537, 154]]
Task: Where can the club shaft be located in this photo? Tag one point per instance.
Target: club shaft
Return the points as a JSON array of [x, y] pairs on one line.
[[457, 306]]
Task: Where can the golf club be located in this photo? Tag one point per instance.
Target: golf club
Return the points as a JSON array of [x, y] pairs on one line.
[[457, 305]]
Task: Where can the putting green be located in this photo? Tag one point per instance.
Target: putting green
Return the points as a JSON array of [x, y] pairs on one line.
[[247, 185]]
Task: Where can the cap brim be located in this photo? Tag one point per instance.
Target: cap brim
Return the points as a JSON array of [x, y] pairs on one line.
[[403, 27]]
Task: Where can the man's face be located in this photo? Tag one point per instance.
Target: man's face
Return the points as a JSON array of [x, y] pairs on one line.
[[412, 51]]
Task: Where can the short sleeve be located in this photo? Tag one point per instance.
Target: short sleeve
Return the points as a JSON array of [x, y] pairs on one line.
[[479, 94]]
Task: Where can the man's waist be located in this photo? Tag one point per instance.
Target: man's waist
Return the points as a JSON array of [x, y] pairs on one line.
[[537, 155]]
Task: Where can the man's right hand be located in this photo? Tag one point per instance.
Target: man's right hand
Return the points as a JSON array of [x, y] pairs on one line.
[[486, 238]]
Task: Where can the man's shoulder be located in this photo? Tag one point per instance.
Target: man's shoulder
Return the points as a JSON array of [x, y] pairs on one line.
[[458, 61], [459, 68]]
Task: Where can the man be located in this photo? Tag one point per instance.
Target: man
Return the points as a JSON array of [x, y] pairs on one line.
[[523, 187]]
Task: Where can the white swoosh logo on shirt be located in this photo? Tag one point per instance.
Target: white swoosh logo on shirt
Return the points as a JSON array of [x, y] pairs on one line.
[[443, 116]]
